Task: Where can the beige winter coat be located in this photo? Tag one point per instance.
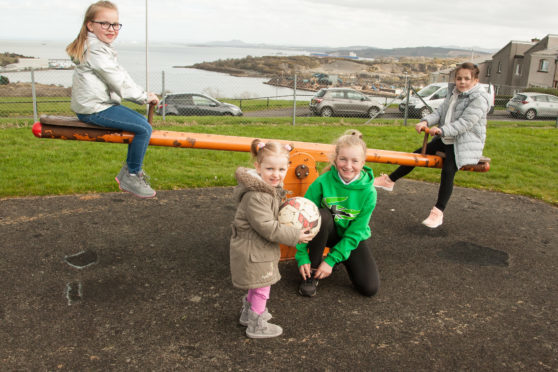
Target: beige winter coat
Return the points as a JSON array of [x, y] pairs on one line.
[[256, 233]]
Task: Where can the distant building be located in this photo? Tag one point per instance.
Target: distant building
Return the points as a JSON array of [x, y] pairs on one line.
[[523, 64]]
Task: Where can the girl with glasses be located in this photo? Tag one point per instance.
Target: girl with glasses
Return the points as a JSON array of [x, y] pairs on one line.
[[99, 85]]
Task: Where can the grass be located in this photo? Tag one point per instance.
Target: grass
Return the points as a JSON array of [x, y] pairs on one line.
[[523, 157]]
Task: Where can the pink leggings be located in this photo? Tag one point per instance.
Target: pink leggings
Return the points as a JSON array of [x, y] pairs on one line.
[[258, 298]]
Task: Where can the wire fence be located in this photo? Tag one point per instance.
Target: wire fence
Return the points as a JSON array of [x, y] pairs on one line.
[[32, 93], [188, 92]]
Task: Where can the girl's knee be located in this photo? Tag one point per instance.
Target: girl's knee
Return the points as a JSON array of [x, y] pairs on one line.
[[369, 290]]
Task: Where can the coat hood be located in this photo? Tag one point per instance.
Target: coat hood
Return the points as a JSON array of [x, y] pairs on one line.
[[249, 180]]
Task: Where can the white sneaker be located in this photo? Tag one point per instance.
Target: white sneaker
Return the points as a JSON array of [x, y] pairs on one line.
[[435, 218], [384, 182]]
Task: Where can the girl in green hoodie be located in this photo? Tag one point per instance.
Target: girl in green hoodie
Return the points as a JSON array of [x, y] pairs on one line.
[[346, 197]]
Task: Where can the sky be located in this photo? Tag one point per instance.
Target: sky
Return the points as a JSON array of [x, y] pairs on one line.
[[486, 24]]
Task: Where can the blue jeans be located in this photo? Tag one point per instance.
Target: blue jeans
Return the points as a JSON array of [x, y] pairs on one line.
[[121, 117]]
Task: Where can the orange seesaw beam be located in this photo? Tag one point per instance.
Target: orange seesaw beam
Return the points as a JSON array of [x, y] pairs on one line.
[[72, 129]]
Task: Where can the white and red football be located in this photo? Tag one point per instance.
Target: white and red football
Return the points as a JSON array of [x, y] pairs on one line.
[[301, 213]]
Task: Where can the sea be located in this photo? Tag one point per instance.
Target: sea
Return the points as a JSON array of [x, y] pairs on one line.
[[164, 65]]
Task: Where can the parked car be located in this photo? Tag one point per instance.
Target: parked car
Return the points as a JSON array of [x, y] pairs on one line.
[[434, 95], [344, 101], [196, 104], [532, 105]]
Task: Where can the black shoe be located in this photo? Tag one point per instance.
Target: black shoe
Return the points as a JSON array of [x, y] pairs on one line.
[[308, 287]]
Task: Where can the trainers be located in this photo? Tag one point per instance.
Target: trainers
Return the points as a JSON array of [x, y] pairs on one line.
[[435, 218], [384, 182], [245, 312], [136, 184], [258, 327], [122, 172], [308, 287]]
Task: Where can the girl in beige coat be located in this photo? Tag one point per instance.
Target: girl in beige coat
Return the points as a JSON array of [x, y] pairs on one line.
[[256, 234]]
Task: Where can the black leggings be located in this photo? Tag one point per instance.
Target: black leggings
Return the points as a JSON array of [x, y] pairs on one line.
[[360, 265], [448, 170]]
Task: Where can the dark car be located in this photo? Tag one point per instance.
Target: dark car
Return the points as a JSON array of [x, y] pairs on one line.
[[194, 104], [344, 101]]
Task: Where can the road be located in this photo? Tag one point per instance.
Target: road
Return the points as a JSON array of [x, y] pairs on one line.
[[391, 113]]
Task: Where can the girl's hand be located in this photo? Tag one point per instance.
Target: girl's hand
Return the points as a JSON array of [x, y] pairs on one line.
[[305, 271], [152, 98], [420, 126], [305, 236], [435, 131], [324, 270]]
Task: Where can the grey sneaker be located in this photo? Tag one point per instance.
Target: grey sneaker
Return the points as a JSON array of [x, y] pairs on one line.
[[258, 327], [122, 172], [308, 287], [136, 184], [245, 312]]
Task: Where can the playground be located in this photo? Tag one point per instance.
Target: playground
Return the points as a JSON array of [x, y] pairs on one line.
[[154, 291]]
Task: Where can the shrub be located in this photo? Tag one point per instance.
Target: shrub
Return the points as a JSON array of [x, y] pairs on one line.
[[552, 91]]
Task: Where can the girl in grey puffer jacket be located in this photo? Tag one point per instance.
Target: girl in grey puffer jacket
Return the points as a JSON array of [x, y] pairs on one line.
[[460, 134], [100, 83]]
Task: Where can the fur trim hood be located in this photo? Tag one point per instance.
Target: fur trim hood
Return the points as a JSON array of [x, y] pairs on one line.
[[249, 180]]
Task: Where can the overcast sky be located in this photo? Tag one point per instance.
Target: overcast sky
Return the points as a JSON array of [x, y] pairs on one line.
[[488, 24]]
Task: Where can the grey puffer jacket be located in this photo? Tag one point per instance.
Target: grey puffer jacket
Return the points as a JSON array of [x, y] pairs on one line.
[[467, 125], [256, 232], [100, 82]]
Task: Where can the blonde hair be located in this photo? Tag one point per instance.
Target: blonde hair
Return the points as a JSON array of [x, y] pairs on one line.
[[76, 48], [260, 150], [351, 137]]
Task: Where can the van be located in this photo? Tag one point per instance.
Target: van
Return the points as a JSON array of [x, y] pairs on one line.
[[434, 95]]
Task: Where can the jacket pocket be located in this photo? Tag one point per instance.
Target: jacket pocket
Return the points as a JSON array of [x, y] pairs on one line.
[[270, 252]]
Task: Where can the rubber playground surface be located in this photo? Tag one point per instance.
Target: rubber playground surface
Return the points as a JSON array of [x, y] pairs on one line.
[[112, 282]]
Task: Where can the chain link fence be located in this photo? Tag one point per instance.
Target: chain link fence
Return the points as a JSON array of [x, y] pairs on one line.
[[36, 92]]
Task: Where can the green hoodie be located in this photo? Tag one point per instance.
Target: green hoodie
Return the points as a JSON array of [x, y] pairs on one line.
[[351, 206]]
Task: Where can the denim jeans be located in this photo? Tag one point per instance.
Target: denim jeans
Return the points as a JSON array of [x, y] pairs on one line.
[[121, 117]]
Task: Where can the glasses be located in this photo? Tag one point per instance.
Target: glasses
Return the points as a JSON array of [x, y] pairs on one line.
[[107, 25]]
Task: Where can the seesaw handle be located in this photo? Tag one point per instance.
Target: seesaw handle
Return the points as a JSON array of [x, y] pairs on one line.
[[426, 130], [150, 112]]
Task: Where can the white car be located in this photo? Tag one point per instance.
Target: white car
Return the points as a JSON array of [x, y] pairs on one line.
[[434, 95]]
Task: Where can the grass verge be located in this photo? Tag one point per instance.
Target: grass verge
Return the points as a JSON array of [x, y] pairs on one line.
[[523, 158]]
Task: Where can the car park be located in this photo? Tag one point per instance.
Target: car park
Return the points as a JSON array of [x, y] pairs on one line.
[[433, 96], [344, 101], [195, 104], [531, 105]]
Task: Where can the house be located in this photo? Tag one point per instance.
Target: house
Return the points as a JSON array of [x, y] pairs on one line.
[[522, 64]]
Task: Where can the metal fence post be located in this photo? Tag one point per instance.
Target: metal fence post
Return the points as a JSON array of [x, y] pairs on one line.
[[163, 95], [294, 100], [408, 88], [34, 94]]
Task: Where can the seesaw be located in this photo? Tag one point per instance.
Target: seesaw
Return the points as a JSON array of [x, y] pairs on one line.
[[302, 171]]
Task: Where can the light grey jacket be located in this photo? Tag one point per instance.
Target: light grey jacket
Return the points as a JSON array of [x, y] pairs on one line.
[[467, 125], [99, 82], [256, 232]]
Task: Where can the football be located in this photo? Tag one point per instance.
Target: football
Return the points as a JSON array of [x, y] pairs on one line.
[[301, 213]]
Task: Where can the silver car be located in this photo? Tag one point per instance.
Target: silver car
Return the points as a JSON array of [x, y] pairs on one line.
[[343, 101], [532, 105], [196, 104]]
